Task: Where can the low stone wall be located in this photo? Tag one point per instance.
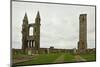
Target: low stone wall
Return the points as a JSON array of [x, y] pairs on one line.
[[31, 51]]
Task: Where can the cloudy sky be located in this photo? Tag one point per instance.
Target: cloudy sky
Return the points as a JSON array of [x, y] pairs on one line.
[[59, 24]]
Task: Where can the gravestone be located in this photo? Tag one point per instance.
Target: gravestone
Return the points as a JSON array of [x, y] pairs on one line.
[[29, 52]]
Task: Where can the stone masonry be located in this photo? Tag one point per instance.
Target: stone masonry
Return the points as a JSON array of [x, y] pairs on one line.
[[32, 41], [82, 44]]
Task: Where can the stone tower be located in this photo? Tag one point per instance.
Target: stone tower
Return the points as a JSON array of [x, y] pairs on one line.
[[82, 44], [37, 31], [24, 32], [31, 41]]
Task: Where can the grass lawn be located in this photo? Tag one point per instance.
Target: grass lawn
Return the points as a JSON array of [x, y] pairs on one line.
[[50, 58], [42, 59], [89, 57], [69, 57]]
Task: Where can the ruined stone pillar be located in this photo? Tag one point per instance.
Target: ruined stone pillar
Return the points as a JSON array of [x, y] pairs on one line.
[[27, 43], [30, 44]]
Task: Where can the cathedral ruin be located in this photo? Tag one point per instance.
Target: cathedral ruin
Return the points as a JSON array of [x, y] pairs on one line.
[[33, 41]]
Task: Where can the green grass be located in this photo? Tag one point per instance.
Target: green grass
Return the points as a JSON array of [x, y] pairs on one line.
[[18, 55], [42, 59], [50, 58], [89, 57], [69, 57]]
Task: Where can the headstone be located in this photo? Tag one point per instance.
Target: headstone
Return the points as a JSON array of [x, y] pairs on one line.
[[29, 52], [48, 50], [74, 50]]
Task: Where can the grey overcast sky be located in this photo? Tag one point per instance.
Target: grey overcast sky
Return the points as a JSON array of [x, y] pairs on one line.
[[59, 24]]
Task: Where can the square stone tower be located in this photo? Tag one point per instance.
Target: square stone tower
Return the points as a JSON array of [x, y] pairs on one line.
[[82, 44]]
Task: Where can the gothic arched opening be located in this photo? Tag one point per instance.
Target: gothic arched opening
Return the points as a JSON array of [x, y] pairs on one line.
[[31, 31]]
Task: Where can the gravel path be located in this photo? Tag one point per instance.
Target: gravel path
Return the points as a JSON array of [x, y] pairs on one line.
[[78, 58], [59, 59], [23, 59]]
